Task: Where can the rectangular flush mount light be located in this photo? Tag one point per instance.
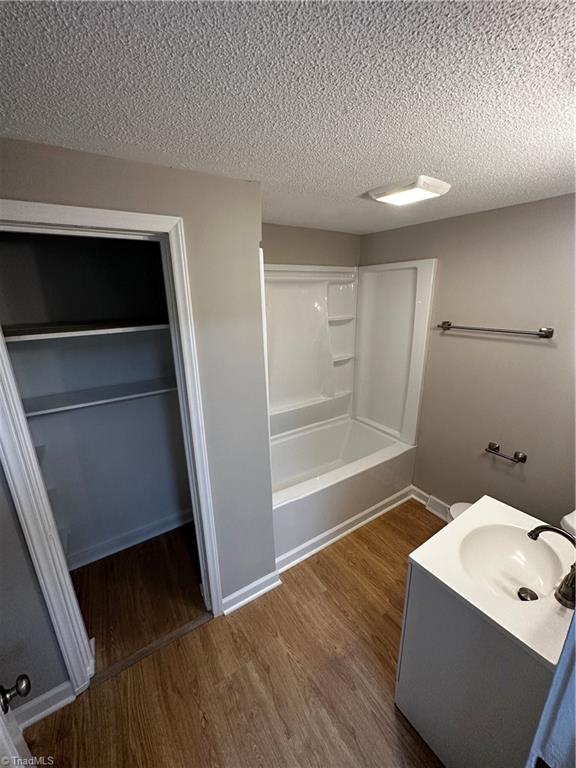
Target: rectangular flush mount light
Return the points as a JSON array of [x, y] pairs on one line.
[[421, 188]]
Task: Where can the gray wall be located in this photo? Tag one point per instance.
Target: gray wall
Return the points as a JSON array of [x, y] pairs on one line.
[[300, 245], [513, 268], [223, 230], [116, 475], [27, 641]]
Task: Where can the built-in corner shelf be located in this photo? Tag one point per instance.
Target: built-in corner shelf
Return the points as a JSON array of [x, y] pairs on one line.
[[341, 358], [46, 333], [86, 398], [333, 319]]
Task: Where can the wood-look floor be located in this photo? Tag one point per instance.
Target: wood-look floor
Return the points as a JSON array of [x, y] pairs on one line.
[[133, 599], [301, 678]]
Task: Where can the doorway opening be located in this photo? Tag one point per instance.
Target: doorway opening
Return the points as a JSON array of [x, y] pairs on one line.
[[95, 353]]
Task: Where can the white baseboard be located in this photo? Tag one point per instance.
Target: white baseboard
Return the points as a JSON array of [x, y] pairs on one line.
[[419, 495], [36, 709], [250, 592], [438, 508], [302, 552], [127, 539], [314, 545]]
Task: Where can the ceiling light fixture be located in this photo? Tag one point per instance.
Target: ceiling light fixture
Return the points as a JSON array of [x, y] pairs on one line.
[[421, 188]]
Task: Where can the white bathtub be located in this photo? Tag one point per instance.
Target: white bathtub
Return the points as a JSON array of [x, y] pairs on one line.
[[328, 477]]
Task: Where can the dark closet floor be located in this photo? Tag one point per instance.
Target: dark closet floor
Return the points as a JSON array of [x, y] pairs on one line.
[[135, 601]]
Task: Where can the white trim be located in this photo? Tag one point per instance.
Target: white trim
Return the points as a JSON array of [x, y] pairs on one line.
[[179, 299], [308, 268], [419, 495], [250, 592], [207, 530], [73, 220], [32, 711], [12, 744], [266, 371], [16, 449], [30, 497], [438, 508], [323, 540], [309, 272], [127, 539], [265, 337]]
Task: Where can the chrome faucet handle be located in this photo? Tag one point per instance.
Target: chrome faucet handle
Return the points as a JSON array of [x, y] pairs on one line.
[[565, 591]]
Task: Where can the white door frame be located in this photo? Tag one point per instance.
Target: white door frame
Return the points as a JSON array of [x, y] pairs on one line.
[[17, 451], [12, 744]]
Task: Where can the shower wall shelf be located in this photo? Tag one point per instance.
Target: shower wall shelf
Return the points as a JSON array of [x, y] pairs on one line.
[[274, 411], [541, 333], [341, 318]]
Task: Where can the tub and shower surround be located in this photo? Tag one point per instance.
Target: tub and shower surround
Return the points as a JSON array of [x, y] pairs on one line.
[[346, 352]]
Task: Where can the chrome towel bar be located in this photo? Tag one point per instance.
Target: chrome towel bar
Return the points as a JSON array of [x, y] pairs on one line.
[[541, 333]]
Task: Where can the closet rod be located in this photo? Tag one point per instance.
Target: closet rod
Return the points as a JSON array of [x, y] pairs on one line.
[[541, 333]]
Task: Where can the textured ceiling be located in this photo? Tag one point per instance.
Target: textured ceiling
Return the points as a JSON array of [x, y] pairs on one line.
[[319, 101]]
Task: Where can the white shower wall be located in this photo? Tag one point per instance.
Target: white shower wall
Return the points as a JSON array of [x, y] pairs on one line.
[[310, 317], [394, 303], [348, 341], [298, 332]]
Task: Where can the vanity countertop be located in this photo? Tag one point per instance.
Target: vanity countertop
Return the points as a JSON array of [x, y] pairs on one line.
[[540, 625]]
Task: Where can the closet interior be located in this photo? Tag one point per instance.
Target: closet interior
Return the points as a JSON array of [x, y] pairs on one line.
[[87, 329]]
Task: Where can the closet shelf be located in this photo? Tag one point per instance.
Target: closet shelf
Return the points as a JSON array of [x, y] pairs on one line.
[[45, 332], [342, 358], [341, 318], [86, 398]]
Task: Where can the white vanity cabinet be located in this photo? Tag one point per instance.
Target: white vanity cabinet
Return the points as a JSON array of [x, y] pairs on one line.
[[475, 666]]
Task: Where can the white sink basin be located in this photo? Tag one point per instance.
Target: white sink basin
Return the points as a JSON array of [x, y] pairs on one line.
[[485, 556], [502, 558]]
